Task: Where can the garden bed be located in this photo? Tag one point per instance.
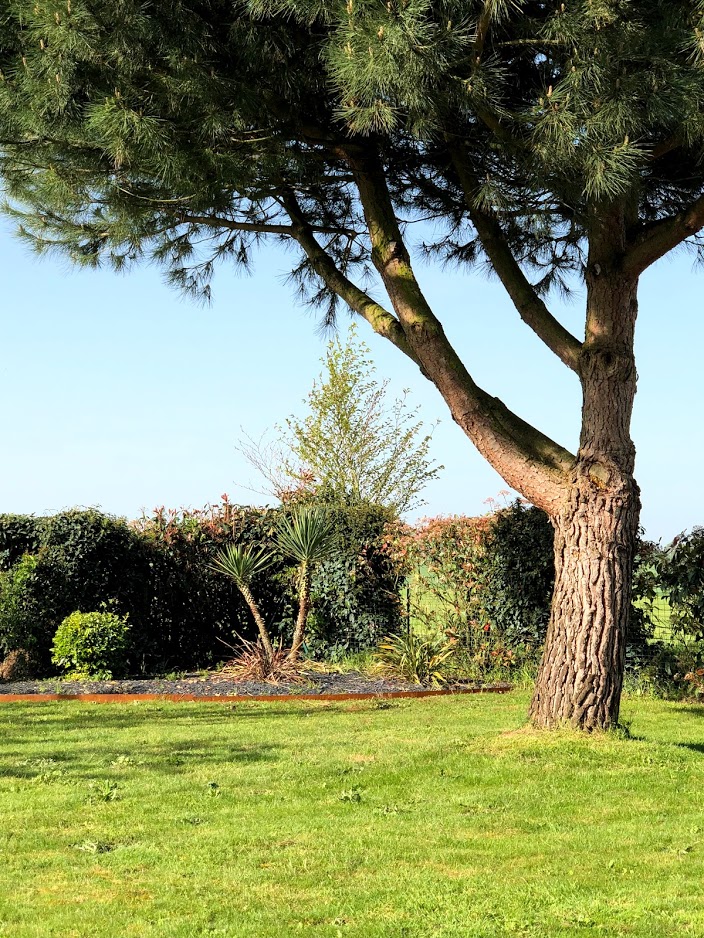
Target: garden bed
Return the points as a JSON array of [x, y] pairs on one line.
[[216, 685]]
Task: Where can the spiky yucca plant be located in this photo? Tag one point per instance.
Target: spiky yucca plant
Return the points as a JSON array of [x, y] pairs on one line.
[[307, 538], [242, 564]]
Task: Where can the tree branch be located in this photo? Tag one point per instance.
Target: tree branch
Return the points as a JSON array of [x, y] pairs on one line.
[[381, 321], [657, 239], [530, 306], [218, 221], [528, 460]]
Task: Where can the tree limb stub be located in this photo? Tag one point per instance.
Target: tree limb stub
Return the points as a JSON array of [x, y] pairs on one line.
[[662, 236]]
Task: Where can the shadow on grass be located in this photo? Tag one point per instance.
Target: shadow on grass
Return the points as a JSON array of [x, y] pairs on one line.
[[694, 747], [102, 761], [75, 715], [692, 710], [80, 736]]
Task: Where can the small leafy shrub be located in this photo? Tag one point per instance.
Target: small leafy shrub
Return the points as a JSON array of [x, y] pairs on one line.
[[92, 644], [695, 679], [415, 659]]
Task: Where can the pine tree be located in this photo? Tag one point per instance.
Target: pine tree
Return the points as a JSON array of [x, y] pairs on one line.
[[552, 140]]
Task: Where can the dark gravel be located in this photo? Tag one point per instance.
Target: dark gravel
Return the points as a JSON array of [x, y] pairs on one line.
[[215, 685]]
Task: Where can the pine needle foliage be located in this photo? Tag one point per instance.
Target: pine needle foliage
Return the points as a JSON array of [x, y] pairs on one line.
[[176, 132]]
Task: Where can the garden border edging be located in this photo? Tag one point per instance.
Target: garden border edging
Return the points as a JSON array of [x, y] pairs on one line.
[[234, 698]]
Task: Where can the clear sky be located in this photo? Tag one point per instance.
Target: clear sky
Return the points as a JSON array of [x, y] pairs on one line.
[[121, 394]]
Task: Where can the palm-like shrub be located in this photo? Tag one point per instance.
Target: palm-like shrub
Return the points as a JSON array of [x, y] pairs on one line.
[[307, 538], [243, 564], [415, 659]]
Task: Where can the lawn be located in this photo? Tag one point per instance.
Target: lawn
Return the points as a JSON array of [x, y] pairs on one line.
[[435, 817]]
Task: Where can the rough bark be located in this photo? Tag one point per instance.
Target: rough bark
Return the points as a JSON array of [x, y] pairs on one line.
[[261, 625], [581, 673]]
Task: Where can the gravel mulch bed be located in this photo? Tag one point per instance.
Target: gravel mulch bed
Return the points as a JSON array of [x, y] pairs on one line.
[[216, 684]]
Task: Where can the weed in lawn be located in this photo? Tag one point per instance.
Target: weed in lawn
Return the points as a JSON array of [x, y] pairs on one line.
[[103, 792], [95, 846]]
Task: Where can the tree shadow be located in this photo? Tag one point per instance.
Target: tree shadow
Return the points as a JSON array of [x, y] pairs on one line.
[[39, 738], [695, 747], [692, 710], [75, 715]]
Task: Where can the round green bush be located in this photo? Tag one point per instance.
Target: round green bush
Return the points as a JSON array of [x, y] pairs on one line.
[[92, 644]]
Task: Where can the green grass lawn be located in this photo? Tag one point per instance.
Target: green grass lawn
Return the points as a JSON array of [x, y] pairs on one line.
[[436, 817]]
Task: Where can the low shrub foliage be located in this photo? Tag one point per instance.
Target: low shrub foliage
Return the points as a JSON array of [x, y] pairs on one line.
[[92, 645]]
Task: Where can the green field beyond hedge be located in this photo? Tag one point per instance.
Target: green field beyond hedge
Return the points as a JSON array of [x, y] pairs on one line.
[[408, 818]]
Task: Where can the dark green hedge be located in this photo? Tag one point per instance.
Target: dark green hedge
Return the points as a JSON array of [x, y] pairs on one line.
[[517, 572], [356, 591], [183, 615]]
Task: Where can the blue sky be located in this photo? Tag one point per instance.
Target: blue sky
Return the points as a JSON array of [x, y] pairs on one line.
[[120, 393]]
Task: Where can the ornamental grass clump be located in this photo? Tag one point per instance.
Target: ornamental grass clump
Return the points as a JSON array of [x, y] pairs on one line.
[[415, 659], [254, 664], [92, 645]]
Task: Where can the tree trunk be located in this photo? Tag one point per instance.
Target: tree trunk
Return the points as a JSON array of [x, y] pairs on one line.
[[581, 674], [261, 625], [303, 610], [596, 526]]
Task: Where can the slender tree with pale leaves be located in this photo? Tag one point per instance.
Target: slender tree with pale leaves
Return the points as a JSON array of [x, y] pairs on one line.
[[354, 444], [551, 141]]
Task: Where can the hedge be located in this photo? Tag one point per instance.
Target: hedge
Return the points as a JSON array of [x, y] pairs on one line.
[[156, 571]]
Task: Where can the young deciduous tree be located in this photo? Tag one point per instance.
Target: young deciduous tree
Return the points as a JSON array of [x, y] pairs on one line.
[[352, 444], [550, 139]]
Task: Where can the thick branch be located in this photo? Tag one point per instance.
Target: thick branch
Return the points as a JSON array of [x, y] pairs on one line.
[[656, 240], [527, 459], [483, 25], [381, 321], [530, 306]]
